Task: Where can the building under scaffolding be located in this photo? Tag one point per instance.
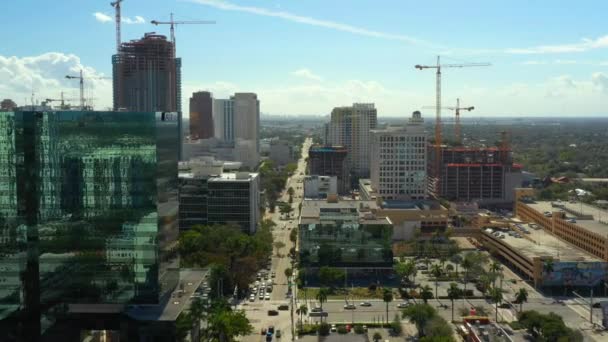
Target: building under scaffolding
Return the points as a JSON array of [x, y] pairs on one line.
[[484, 175], [147, 76]]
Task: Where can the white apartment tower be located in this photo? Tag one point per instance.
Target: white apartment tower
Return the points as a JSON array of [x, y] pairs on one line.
[[398, 161], [350, 127]]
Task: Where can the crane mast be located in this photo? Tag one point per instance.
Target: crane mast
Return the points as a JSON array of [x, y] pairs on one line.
[[172, 23], [81, 81], [116, 5]]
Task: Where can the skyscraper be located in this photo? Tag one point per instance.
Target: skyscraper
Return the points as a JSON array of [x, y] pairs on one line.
[[89, 215], [330, 161], [223, 120], [350, 127], [398, 160], [147, 76], [201, 115]]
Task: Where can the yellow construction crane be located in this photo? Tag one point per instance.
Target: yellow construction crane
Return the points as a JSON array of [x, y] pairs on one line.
[[438, 139], [457, 109], [81, 78], [174, 23]]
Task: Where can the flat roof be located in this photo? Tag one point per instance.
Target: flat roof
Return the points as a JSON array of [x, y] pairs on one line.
[[226, 176], [311, 210], [575, 210], [542, 244]]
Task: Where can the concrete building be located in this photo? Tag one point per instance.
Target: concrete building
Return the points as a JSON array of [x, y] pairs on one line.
[[210, 196], [147, 76], [320, 186], [398, 161], [201, 115], [345, 234], [330, 161], [350, 127], [223, 120], [487, 176], [407, 216]]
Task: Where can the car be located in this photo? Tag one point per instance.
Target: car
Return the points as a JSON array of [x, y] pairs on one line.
[[271, 329], [267, 297], [597, 305], [261, 296], [364, 328], [263, 331], [273, 313], [317, 309], [268, 337], [365, 304], [333, 328], [278, 333], [284, 307], [349, 307], [403, 305], [422, 267]]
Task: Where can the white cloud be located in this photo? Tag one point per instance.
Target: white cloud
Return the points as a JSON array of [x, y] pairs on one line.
[[600, 81], [582, 46], [45, 75], [307, 74], [102, 18], [136, 20], [228, 6]]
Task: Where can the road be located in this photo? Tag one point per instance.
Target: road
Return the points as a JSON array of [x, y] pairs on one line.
[[257, 312]]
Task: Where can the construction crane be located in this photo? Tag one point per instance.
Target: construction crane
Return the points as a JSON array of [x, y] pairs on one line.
[[457, 110], [116, 5], [62, 100], [81, 78], [174, 23], [438, 139]]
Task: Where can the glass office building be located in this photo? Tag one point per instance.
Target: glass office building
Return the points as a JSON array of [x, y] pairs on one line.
[[88, 212]]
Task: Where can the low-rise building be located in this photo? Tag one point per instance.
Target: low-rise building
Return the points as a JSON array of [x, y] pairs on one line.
[[320, 186], [210, 196], [345, 234]]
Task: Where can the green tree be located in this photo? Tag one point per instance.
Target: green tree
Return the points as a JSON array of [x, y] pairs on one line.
[[548, 266], [329, 276], [520, 297], [495, 268], [437, 329], [288, 273], [322, 297], [453, 294], [419, 314], [225, 325], [496, 295], [456, 259], [436, 272], [396, 325], [377, 337], [278, 246], [387, 297], [302, 310], [290, 191], [426, 293], [466, 264]]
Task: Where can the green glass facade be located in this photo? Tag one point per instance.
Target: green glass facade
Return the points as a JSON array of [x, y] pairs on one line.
[[341, 238], [88, 211]]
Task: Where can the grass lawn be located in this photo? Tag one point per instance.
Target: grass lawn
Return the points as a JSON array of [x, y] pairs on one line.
[[340, 293]]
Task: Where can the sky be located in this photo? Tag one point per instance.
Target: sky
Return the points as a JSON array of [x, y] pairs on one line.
[[304, 57]]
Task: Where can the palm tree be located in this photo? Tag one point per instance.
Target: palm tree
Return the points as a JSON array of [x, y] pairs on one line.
[[322, 298], [496, 270], [198, 312], [496, 295], [377, 337], [521, 296], [466, 265], [453, 294], [302, 310], [426, 293], [419, 314], [456, 259], [484, 282], [387, 297], [548, 266], [436, 271]]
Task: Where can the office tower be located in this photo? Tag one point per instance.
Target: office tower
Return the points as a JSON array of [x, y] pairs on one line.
[[398, 161], [237, 121], [147, 76], [223, 120], [89, 215], [201, 115], [350, 127], [330, 161], [210, 196]]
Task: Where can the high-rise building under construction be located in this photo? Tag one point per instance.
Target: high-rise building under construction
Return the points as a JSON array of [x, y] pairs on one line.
[[147, 76]]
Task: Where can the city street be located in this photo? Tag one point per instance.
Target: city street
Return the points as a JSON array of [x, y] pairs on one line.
[[257, 312]]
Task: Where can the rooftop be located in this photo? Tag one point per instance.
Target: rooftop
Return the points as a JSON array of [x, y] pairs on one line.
[[311, 211], [223, 177], [592, 218], [542, 244]]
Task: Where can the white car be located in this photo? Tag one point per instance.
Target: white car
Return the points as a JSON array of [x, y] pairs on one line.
[[267, 297]]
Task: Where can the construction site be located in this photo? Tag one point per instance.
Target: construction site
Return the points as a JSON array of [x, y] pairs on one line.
[[481, 174]]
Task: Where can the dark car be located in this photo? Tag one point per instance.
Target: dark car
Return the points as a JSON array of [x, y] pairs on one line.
[[273, 313], [271, 329], [283, 307], [263, 331]]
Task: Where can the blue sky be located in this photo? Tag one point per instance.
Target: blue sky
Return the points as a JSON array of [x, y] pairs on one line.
[[305, 57]]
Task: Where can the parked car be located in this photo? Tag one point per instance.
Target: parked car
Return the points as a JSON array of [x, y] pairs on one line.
[[333, 328], [273, 313], [316, 309], [284, 307], [278, 334], [263, 332], [271, 329]]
